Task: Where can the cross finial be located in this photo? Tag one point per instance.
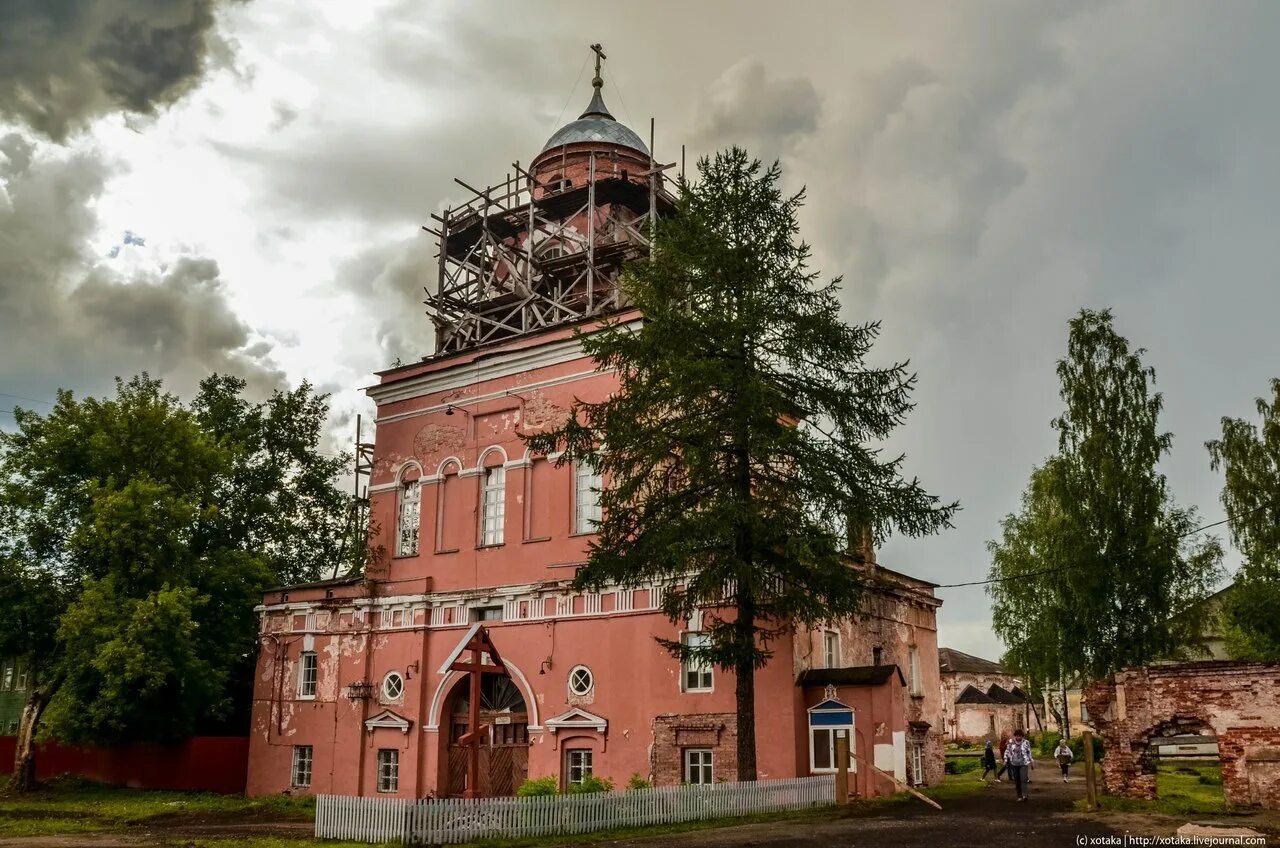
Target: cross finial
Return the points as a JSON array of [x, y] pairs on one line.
[[598, 81]]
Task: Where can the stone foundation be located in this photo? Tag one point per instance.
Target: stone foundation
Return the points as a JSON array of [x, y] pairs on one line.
[[674, 733]]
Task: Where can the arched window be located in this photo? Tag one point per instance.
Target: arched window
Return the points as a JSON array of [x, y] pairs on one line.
[[408, 517], [493, 503], [586, 497]]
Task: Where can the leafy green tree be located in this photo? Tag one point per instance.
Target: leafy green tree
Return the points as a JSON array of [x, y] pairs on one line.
[[739, 443], [1098, 571], [1249, 457], [140, 533]]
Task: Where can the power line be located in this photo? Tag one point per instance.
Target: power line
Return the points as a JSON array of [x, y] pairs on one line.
[[31, 399], [1199, 529]]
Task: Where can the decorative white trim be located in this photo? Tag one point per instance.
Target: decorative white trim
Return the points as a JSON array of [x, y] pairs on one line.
[[481, 370], [448, 459], [577, 719], [405, 466], [389, 720], [447, 683], [484, 453]]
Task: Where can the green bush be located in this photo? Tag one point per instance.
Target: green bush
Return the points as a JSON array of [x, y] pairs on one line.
[[1045, 743], [591, 785], [638, 782], [962, 765], [538, 787], [1077, 748], [964, 744]]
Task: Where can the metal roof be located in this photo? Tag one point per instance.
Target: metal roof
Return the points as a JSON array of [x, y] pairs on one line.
[[596, 124]]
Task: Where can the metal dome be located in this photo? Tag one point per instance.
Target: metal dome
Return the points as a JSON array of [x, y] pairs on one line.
[[596, 124], [596, 129]]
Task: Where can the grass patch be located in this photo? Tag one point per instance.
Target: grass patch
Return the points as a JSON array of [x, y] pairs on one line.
[[1183, 789], [76, 806]]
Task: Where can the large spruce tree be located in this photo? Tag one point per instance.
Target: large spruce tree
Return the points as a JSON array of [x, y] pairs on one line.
[[1099, 569], [741, 440], [1249, 457]]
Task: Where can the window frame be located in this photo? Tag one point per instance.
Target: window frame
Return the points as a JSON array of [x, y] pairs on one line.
[[830, 730], [831, 658], [308, 675], [388, 770], [591, 681], [383, 693], [409, 517], [586, 524], [915, 763], [585, 766], [705, 671], [493, 506], [302, 763], [705, 771], [916, 685]]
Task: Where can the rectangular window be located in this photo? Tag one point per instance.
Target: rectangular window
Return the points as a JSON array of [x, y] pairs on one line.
[[822, 748], [307, 668], [917, 686], [697, 766], [916, 757], [6, 682], [1084, 712], [486, 614], [388, 770], [494, 505], [23, 677], [301, 766], [586, 497], [695, 673], [577, 764], [13, 728], [409, 518], [831, 648], [877, 655]]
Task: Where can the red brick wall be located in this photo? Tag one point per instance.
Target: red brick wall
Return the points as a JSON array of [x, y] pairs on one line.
[[1239, 703], [673, 733]]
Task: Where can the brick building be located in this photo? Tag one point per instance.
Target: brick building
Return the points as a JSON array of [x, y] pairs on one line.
[[1236, 703], [980, 699], [358, 689]]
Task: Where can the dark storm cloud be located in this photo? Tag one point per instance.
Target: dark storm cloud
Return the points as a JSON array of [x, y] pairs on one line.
[[64, 63], [745, 107], [387, 281], [67, 318]]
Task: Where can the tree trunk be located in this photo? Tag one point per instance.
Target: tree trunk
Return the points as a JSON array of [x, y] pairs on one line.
[[745, 689], [23, 778]]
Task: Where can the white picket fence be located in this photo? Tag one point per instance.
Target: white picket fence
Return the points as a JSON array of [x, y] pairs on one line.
[[440, 821]]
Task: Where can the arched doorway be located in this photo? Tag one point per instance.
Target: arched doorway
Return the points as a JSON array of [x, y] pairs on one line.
[[504, 752]]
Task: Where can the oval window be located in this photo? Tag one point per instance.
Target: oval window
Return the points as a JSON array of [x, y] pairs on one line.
[[392, 686], [581, 681]]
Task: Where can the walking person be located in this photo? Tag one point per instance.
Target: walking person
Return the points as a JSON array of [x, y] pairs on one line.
[[1004, 746], [988, 761], [1018, 758], [1064, 757]]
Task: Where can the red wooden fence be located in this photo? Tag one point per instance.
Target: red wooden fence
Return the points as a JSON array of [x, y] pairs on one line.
[[202, 763]]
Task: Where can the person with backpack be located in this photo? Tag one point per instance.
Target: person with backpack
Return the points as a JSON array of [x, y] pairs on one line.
[[1018, 758], [1064, 757]]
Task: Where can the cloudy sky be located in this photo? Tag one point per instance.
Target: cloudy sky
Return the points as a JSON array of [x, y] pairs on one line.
[[195, 185]]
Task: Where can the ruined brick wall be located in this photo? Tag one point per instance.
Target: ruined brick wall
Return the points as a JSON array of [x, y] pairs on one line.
[[672, 734], [1239, 703]]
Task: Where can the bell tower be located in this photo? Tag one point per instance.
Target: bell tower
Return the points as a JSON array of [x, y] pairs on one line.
[[545, 247]]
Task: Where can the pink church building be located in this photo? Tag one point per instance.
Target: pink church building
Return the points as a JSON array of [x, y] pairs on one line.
[[354, 694]]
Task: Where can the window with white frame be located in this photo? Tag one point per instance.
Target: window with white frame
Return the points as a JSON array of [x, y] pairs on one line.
[[695, 672], [308, 666], [493, 503], [822, 747], [831, 648], [396, 617], [581, 681], [10, 672], [577, 764], [586, 497], [915, 758], [697, 766], [917, 685], [388, 770], [302, 755], [23, 676], [409, 518], [392, 687], [486, 613]]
